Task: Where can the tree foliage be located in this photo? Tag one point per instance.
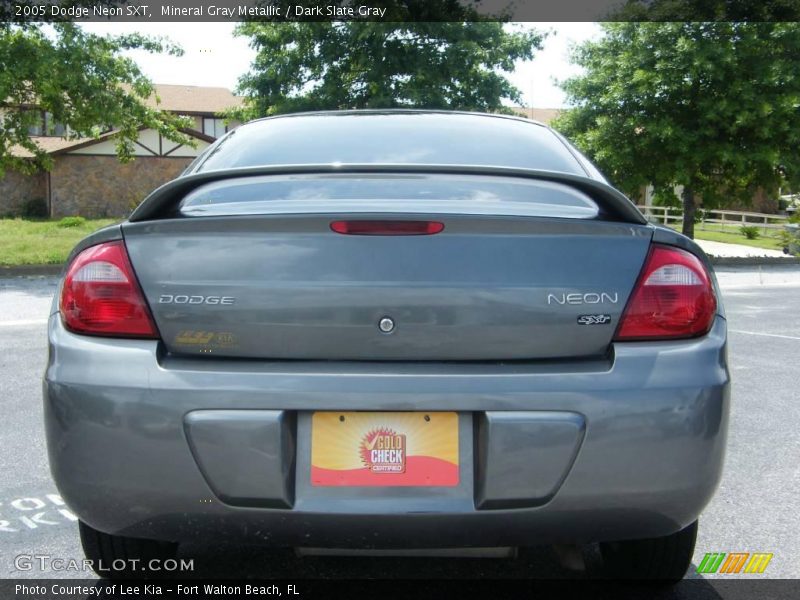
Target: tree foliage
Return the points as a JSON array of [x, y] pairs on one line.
[[304, 66], [82, 80], [713, 107]]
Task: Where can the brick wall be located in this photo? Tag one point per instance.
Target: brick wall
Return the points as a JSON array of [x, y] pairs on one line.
[[100, 186], [17, 189]]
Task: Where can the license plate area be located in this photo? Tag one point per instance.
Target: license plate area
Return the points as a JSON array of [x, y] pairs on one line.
[[384, 449]]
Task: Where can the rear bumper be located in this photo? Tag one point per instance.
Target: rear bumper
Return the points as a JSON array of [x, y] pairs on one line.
[[154, 446]]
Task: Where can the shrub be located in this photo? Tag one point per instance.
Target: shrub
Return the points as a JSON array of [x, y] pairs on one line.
[[71, 222], [749, 231], [790, 241], [34, 208]]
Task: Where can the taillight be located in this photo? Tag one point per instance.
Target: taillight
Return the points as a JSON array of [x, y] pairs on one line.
[[359, 227], [101, 296], [674, 298]]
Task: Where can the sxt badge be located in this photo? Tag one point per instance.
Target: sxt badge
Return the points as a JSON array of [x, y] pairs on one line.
[[594, 319]]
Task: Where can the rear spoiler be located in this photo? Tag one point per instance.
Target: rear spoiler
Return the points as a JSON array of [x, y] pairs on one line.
[[613, 204]]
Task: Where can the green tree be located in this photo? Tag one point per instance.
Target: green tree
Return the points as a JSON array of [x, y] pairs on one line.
[[712, 107], [82, 80], [304, 66]]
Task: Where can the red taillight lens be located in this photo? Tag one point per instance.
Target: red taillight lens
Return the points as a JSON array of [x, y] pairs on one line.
[[387, 227], [102, 297], [674, 298]]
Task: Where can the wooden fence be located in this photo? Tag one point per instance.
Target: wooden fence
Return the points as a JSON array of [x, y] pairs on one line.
[[717, 219]]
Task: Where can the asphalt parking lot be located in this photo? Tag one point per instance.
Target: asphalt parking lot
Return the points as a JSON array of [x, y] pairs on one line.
[[755, 509]]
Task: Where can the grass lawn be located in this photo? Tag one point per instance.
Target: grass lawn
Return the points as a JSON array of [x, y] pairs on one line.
[[733, 236], [42, 242], [769, 243]]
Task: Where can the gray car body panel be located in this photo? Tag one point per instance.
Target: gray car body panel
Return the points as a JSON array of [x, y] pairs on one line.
[[564, 435], [296, 290], [651, 456]]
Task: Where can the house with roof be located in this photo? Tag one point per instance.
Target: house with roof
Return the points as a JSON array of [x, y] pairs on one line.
[[543, 115], [87, 179]]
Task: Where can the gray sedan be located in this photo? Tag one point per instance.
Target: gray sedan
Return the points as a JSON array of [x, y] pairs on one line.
[[388, 330]]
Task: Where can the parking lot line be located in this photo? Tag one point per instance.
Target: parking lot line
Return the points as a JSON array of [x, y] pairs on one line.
[[774, 335], [23, 323]]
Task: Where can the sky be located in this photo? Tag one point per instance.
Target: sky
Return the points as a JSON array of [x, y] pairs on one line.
[[214, 57]]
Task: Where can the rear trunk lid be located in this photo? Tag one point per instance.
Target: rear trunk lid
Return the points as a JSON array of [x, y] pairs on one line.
[[244, 275]]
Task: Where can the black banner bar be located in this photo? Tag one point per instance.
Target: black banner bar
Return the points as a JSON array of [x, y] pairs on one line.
[[463, 589], [144, 11]]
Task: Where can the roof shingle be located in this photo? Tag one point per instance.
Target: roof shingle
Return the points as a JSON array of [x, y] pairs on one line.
[[193, 99]]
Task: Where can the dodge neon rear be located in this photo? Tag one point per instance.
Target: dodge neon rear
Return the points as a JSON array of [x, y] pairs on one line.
[[328, 335]]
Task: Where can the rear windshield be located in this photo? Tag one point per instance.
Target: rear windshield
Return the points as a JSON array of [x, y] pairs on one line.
[[359, 193], [398, 138]]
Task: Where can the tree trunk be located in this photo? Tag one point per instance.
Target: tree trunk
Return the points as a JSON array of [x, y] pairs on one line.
[[689, 211]]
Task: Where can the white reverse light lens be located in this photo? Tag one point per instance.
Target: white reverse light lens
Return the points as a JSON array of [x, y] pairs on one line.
[[100, 272], [673, 275]]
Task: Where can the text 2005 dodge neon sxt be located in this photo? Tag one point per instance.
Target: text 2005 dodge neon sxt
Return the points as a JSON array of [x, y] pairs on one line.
[[389, 329]]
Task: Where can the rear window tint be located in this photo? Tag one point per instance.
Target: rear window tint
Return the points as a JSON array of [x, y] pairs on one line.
[[396, 138], [359, 193]]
